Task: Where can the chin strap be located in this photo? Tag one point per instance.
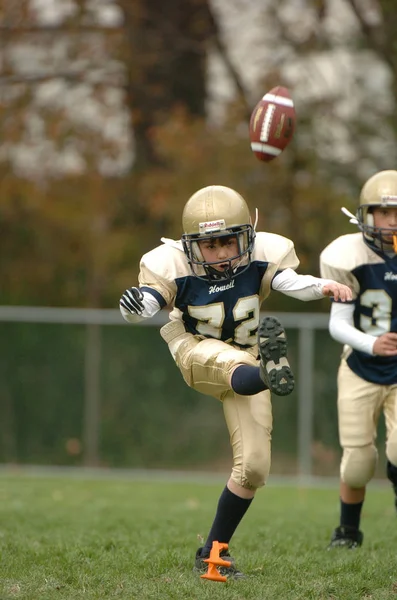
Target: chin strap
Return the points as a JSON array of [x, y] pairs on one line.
[[219, 275], [395, 242], [352, 218]]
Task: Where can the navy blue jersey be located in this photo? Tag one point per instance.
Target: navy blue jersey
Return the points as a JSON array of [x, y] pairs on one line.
[[225, 310], [228, 311], [373, 277]]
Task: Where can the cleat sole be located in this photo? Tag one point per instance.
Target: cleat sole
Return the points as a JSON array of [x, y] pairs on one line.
[[272, 345]]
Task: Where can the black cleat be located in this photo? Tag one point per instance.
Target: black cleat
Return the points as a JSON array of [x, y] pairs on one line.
[[274, 368], [346, 537], [230, 572]]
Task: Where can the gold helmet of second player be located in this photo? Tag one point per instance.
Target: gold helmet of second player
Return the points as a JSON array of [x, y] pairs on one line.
[[217, 211], [380, 191]]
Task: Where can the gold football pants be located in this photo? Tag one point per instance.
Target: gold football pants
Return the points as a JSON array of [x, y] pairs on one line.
[[206, 365], [360, 404]]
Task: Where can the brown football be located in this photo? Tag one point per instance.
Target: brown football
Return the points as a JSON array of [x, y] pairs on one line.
[[272, 124]]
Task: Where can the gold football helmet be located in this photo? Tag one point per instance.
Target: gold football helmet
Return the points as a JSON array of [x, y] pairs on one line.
[[217, 211], [379, 191]]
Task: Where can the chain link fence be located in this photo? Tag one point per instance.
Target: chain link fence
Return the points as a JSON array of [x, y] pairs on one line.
[[82, 387]]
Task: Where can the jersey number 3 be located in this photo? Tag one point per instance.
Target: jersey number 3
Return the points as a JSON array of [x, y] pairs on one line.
[[381, 304], [211, 317]]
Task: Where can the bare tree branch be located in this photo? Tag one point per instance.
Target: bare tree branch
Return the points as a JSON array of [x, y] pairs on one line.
[[371, 33], [12, 31], [222, 49], [34, 78]]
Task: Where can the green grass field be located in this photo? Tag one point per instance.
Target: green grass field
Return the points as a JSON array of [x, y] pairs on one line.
[[67, 537]]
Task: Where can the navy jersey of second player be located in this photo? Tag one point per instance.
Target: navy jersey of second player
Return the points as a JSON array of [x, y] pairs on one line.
[[225, 310], [376, 313]]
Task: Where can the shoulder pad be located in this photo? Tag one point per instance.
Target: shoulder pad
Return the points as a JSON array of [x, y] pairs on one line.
[[177, 244], [275, 249], [167, 261], [348, 252]]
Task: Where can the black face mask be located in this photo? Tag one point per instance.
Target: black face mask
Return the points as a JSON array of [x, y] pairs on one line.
[[376, 237], [245, 236]]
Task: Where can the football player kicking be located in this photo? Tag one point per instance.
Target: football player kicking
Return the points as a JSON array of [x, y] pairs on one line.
[[215, 279], [367, 376]]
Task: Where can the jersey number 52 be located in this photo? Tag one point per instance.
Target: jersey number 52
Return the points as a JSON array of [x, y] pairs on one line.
[[245, 314]]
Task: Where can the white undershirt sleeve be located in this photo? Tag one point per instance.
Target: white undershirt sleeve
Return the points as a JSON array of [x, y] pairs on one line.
[[302, 287], [151, 308], [341, 328]]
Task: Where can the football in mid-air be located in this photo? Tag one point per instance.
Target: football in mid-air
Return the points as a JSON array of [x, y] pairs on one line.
[[272, 124]]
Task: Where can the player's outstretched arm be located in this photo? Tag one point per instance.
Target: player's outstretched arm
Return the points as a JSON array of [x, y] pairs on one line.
[[307, 287], [136, 305], [132, 301], [339, 291]]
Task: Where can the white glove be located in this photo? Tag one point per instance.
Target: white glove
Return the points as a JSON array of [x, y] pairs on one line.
[[132, 300]]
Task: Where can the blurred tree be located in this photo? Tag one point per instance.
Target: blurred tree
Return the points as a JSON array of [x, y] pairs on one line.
[[177, 31], [164, 52], [94, 89]]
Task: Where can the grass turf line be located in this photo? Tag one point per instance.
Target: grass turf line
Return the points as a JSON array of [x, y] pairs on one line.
[[75, 539]]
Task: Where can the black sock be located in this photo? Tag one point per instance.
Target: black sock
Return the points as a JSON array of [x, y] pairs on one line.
[[230, 511], [391, 471], [350, 514], [246, 381]]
